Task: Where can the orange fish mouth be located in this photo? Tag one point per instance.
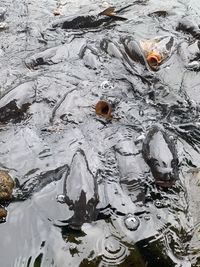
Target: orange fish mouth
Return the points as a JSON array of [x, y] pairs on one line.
[[154, 59], [103, 109]]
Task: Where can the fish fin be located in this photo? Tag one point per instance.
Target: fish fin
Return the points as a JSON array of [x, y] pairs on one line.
[[108, 11]]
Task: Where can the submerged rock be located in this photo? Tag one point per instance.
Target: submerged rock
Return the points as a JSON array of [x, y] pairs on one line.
[[6, 189], [3, 214], [6, 186]]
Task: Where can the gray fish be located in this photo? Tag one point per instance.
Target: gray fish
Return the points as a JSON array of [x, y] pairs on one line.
[[160, 154], [80, 191]]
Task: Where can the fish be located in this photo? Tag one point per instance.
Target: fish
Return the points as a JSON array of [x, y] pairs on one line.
[[80, 192], [15, 103], [160, 154], [88, 21], [187, 26]]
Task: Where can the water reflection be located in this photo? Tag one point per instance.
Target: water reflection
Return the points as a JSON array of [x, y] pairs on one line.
[[51, 79]]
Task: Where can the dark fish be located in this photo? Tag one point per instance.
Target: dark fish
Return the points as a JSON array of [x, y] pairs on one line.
[[36, 183], [187, 26], [16, 102], [159, 13], [160, 154], [133, 50], [87, 21], [80, 191]]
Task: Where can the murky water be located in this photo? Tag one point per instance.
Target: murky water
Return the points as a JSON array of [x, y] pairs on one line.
[[50, 82]]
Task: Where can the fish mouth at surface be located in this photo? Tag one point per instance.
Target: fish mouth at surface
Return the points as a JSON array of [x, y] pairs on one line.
[[103, 108], [154, 60]]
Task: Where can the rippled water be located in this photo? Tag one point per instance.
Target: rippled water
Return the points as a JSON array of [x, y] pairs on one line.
[[50, 82]]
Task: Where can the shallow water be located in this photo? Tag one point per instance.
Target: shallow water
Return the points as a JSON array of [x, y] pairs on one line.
[[55, 78]]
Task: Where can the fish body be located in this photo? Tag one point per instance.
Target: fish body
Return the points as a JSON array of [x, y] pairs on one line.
[[88, 21], [80, 191], [187, 26], [160, 154], [15, 103]]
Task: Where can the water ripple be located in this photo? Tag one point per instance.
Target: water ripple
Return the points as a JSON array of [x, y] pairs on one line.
[[113, 251]]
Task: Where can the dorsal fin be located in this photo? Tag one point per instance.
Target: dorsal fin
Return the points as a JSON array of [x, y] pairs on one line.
[[108, 11]]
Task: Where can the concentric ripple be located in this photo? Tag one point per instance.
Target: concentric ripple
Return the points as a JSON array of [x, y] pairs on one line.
[[113, 251]]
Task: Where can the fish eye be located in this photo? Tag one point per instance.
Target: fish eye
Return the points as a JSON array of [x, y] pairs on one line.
[[164, 164]]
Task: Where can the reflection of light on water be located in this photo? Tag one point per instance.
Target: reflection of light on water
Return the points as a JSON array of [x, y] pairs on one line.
[[195, 246], [131, 222], [193, 189], [113, 251]]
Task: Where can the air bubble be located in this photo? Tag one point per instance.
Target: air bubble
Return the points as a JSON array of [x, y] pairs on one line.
[[140, 204], [131, 222], [147, 217], [159, 204], [106, 85], [60, 198]]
